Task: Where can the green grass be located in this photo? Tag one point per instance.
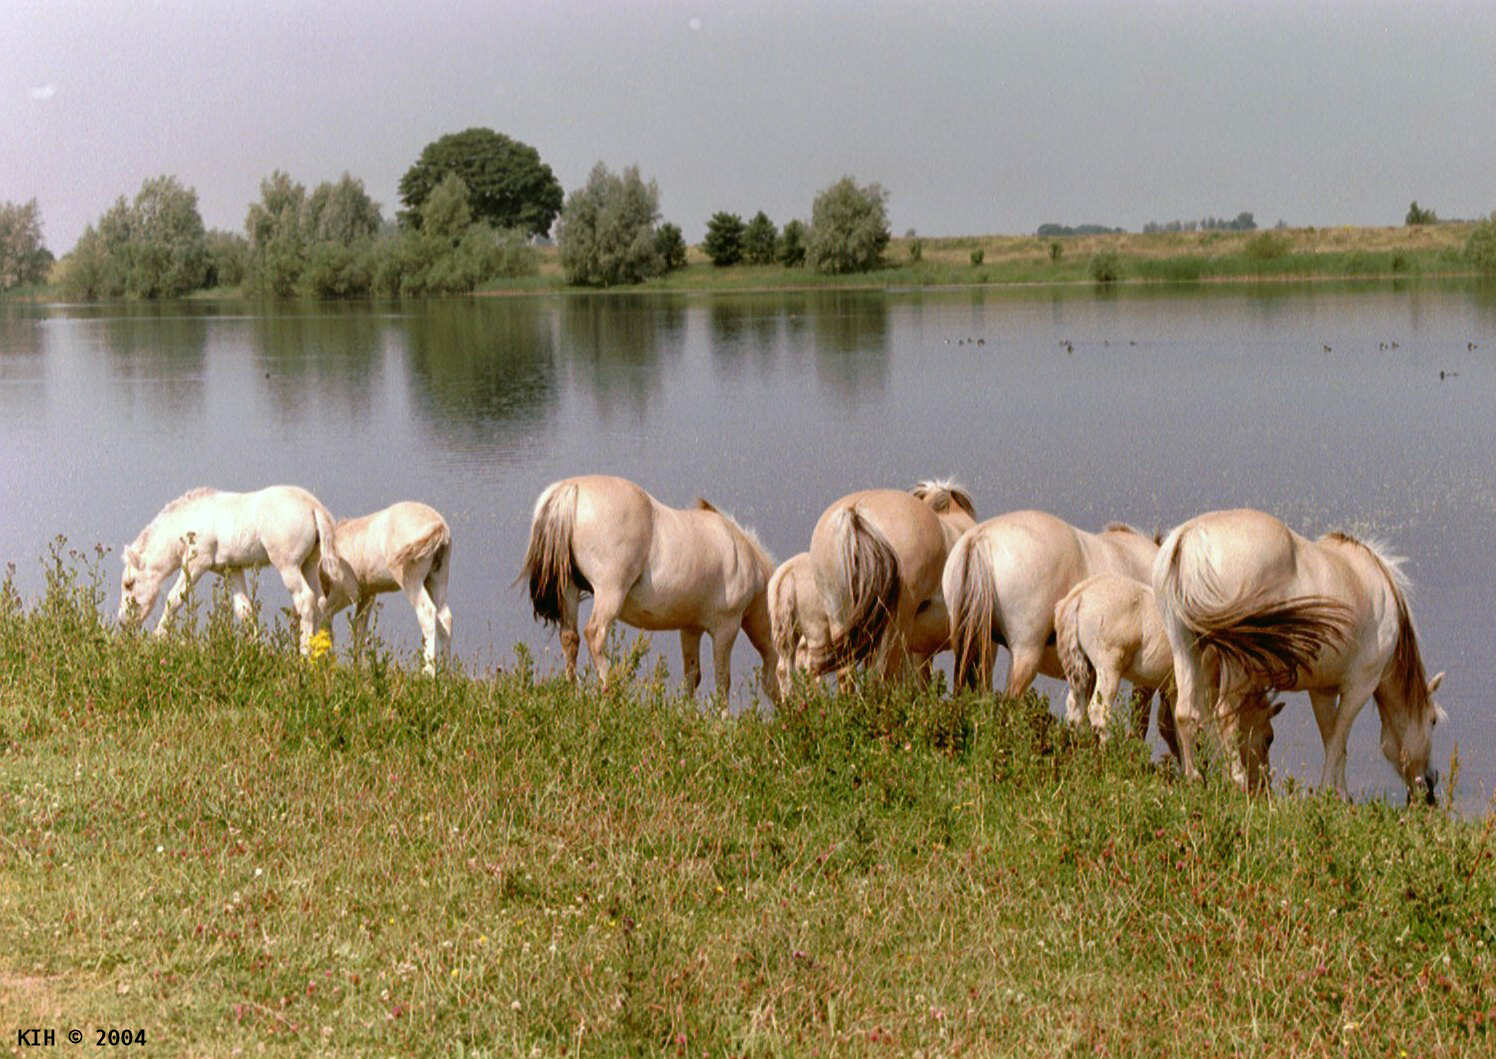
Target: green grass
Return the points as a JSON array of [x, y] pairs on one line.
[[208, 838]]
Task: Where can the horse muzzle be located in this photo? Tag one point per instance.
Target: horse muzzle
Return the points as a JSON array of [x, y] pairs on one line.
[[1428, 783]]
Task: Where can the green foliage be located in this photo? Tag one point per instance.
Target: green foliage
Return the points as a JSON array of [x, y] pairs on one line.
[[791, 250], [608, 229], [1417, 215], [508, 185], [760, 240], [277, 247], [1268, 246], [670, 244], [445, 214], [724, 239], [23, 258], [848, 228], [152, 247], [228, 258], [1105, 266], [1056, 251], [1480, 245], [978, 256], [916, 251]]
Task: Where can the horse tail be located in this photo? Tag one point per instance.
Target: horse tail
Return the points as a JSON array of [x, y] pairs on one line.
[[970, 590], [329, 564], [784, 615], [1079, 672], [1266, 639], [549, 563], [870, 567], [434, 544]]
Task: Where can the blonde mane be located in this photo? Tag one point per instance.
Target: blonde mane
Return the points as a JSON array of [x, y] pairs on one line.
[[1124, 527], [749, 535], [941, 493], [197, 493], [1406, 669]]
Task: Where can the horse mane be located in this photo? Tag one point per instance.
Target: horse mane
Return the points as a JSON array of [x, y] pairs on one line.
[[748, 534], [1406, 667], [1127, 527], [197, 493], [941, 493]]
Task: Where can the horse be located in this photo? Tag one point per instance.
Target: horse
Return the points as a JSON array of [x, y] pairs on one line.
[[651, 566], [1279, 611], [877, 556], [1003, 579], [802, 630], [405, 547], [1107, 629], [208, 529]]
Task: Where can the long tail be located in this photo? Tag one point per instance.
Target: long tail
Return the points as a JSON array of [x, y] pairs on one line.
[[871, 568], [329, 565], [1266, 639], [549, 563], [1079, 672], [784, 616], [970, 590], [435, 543]]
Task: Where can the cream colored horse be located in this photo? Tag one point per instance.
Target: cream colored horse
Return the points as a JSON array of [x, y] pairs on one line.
[[877, 557], [802, 631], [1329, 617], [406, 547], [1108, 629], [650, 566], [206, 529], [1002, 582]]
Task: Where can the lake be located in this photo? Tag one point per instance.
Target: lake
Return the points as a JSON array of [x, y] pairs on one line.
[[1322, 403]]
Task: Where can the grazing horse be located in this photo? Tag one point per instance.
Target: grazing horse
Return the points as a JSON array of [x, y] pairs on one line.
[[1329, 617], [407, 547], [802, 630], [650, 566], [209, 530], [1002, 582], [1107, 629], [877, 556]]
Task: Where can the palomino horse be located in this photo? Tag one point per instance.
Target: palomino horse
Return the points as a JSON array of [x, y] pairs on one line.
[[1107, 629], [406, 547], [877, 557], [802, 631], [651, 566], [206, 529], [1002, 582], [1329, 617]]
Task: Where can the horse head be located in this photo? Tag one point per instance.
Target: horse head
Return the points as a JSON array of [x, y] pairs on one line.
[[137, 587], [1407, 740]]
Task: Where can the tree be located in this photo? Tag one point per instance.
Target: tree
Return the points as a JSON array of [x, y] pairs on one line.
[[792, 244], [508, 185], [341, 213], [23, 259], [1419, 216], [1480, 245], [153, 247], [848, 228], [607, 229], [277, 252], [724, 239], [760, 240], [671, 246]]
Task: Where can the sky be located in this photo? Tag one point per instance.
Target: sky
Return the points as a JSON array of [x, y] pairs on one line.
[[977, 118]]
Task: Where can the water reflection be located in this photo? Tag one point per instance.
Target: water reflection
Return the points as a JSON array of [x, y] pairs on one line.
[[157, 355], [312, 361], [850, 330], [621, 347], [745, 331]]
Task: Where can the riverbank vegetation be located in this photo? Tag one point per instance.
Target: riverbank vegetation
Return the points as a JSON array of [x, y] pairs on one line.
[[212, 840]]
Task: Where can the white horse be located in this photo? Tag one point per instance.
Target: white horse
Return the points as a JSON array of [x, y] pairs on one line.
[[407, 547], [802, 632], [1108, 629], [1329, 617], [877, 557], [651, 566], [209, 530], [1004, 577]]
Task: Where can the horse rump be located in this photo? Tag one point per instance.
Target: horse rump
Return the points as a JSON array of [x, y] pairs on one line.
[[871, 569], [549, 563]]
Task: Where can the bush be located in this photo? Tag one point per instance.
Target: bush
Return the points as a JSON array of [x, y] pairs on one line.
[[1106, 266], [671, 246], [1417, 215], [1056, 251], [1268, 246], [724, 239], [760, 239], [916, 251], [792, 244], [1480, 247], [848, 228], [608, 229], [978, 256], [153, 247]]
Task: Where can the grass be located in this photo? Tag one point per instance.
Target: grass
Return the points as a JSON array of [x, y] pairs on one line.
[[1170, 257], [206, 837]]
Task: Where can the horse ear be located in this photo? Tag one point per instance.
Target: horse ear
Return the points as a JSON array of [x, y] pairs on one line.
[[130, 555], [1275, 707], [1433, 685], [703, 504]]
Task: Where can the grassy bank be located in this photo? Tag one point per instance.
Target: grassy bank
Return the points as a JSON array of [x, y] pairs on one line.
[[212, 840], [1294, 253]]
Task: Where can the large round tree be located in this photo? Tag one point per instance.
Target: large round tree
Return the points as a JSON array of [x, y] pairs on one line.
[[508, 185]]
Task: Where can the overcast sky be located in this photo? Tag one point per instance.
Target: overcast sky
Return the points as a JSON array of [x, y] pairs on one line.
[[977, 117]]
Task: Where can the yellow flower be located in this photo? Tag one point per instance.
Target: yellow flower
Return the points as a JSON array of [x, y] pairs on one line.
[[318, 645]]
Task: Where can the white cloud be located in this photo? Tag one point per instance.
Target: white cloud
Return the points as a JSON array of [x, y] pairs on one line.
[[46, 91]]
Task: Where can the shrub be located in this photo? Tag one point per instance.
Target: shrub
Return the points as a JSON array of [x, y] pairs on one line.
[[848, 228], [671, 246], [724, 239], [760, 239], [608, 229], [1417, 215], [978, 256], [792, 244], [1480, 246], [1268, 246], [916, 251], [1056, 251], [1106, 266]]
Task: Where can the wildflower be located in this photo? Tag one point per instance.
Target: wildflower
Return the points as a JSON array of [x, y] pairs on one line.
[[318, 645]]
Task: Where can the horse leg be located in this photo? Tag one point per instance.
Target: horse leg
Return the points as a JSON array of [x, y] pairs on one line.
[[690, 656], [1324, 714], [722, 640], [305, 599], [425, 608], [1352, 698], [1024, 667], [1142, 699], [571, 641], [1195, 694], [1166, 730], [361, 611], [192, 568], [243, 611], [607, 604], [1108, 677], [436, 588]]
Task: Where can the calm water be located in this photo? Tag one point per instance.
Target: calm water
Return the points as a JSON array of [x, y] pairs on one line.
[[772, 406]]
